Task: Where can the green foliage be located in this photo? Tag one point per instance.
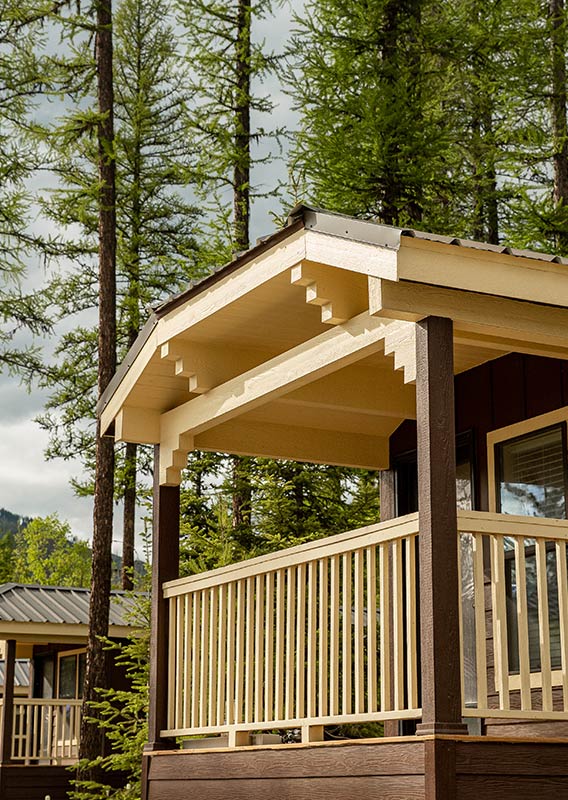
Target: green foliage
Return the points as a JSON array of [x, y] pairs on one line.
[[45, 553], [122, 715]]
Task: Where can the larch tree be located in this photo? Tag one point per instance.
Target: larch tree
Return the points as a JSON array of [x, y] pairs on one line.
[[227, 66]]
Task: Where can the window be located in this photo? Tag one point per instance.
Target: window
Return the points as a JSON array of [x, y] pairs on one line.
[[71, 675], [531, 479]]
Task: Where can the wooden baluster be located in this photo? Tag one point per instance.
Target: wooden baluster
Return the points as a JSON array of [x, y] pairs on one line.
[[543, 625], [562, 582], [300, 641], [385, 632], [222, 655], [259, 634], [411, 620], [204, 647], [213, 649], [311, 689], [499, 613], [371, 558], [280, 639], [231, 640], [346, 643], [334, 638], [187, 659], [290, 631], [523, 624], [196, 660], [269, 649], [323, 636], [179, 661], [249, 659], [240, 646], [398, 625], [359, 632], [480, 633]]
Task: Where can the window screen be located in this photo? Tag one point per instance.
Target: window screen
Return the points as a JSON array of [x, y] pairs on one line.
[[532, 474]]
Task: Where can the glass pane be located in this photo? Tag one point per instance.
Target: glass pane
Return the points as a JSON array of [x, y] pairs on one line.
[[531, 479], [463, 486], [67, 676], [82, 668]]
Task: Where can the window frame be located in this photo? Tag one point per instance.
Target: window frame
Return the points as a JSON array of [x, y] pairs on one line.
[[77, 653], [519, 430]]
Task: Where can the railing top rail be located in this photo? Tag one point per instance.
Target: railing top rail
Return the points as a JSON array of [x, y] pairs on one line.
[[50, 701], [512, 525], [379, 532]]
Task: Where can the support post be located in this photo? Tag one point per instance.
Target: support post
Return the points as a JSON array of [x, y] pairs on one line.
[[388, 511], [439, 579], [8, 704], [165, 567]]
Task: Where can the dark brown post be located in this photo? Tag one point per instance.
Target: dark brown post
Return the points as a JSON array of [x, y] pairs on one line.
[[388, 511], [439, 584], [8, 704], [165, 567]]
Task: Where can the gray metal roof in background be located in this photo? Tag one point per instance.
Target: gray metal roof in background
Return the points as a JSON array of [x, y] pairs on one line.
[[57, 605], [21, 672]]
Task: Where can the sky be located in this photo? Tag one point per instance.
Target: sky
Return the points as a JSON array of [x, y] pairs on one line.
[[31, 486]]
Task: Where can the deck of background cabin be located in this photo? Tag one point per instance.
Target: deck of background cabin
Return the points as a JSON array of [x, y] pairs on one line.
[[387, 769]]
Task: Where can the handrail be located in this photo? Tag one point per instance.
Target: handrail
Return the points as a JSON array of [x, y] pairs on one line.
[[300, 638], [374, 534], [524, 675], [46, 730], [50, 701]]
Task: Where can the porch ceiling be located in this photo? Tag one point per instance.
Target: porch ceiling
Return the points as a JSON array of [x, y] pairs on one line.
[[289, 350]]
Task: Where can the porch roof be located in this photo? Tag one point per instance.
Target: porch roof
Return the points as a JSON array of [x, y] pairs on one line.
[[38, 614], [288, 351]]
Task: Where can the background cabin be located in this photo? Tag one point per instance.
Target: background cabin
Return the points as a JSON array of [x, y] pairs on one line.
[[44, 633], [442, 363]]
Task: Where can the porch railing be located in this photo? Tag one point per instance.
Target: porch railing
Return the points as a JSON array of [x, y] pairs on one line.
[[514, 616], [46, 731], [319, 634]]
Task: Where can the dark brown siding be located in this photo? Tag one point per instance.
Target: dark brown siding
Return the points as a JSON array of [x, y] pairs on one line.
[[382, 771]]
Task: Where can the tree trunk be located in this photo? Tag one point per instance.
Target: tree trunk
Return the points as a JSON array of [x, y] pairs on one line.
[[557, 18], [240, 472], [96, 677], [129, 516]]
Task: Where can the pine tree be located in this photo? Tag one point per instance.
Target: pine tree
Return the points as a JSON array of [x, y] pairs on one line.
[[21, 82]]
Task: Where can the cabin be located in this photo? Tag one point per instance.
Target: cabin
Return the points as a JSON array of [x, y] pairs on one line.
[[44, 633], [443, 364]]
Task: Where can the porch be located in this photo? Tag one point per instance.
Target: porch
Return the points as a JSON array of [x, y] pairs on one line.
[[326, 633], [328, 342]]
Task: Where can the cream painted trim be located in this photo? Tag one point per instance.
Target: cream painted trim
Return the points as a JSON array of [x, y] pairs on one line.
[[316, 358], [482, 271], [535, 680], [357, 539], [41, 632], [511, 432], [67, 654]]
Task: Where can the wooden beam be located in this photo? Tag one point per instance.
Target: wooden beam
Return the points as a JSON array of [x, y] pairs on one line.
[[360, 389], [138, 425], [340, 293], [511, 323], [285, 441], [309, 361], [298, 414], [7, 717], [206, 365], [481, 271], [165, 567], [438, 541]]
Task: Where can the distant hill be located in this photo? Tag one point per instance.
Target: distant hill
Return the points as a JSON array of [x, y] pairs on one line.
[[11, 523]]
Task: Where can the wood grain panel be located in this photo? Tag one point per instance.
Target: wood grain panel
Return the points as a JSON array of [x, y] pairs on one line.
[[366, 788], [488, 787], [393, 758]]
